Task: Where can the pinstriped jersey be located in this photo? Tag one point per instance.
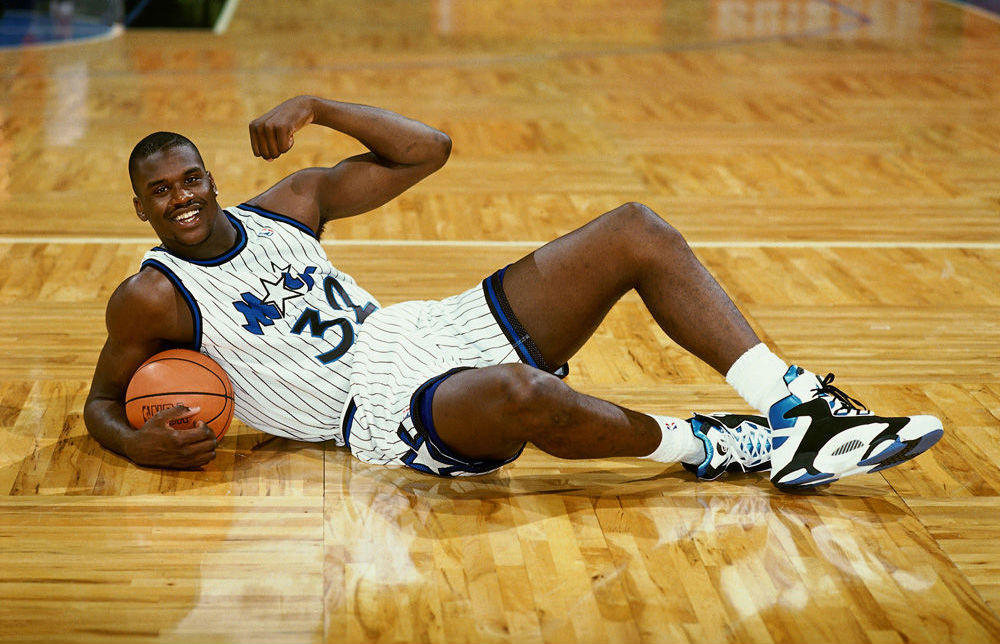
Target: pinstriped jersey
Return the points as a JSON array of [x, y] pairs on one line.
[[279, 318]]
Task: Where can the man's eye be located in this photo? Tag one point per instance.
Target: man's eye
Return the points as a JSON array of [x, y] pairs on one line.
[[193, 179]]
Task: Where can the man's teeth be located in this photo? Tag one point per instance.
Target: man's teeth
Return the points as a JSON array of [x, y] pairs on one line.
[[188, 216]]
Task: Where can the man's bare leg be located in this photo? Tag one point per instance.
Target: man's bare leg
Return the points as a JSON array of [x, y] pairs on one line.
[[562, 291], [816, 434], [490, 413], [560, 294]]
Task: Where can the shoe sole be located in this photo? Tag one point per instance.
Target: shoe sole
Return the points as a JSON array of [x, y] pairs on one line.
[[864, 449]]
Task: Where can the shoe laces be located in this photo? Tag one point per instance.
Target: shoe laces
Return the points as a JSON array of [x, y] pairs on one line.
[[847, 404], [749, 444]]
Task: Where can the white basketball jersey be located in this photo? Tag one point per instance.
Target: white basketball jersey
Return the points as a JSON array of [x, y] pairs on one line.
[[279, 318]]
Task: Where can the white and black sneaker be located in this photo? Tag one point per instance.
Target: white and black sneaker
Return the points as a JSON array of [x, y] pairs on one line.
[[733, 443], [820, 434]]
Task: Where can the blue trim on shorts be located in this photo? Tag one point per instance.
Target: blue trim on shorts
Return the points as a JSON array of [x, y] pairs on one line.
[[421, 403], [517, 335], [348, 422], [423, 421], [495, 297], [428, 453]]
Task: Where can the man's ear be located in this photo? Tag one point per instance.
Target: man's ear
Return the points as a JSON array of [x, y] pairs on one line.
[[138, 209], [211, 181]]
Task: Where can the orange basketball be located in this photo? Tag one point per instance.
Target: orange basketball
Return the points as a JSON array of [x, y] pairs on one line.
[[180, 376]]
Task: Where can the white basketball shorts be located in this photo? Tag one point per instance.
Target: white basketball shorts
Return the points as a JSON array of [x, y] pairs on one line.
[[404, 351]]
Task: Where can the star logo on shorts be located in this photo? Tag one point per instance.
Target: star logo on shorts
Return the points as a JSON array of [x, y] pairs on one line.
[[423, 456]]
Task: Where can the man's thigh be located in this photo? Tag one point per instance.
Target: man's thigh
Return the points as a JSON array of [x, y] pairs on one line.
[[562, 291]]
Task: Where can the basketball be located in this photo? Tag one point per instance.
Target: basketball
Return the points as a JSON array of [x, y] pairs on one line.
[[181, 376]]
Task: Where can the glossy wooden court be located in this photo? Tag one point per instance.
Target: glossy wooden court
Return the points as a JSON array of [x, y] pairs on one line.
[[835, 164]]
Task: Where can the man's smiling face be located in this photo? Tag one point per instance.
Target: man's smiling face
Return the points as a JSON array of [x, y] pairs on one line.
[[177, 196]]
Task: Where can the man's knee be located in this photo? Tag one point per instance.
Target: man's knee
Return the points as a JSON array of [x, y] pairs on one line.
[[529, 396], [641, 220], [638, 227]]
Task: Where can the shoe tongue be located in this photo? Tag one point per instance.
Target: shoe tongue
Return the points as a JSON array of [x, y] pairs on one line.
[[805, 385]]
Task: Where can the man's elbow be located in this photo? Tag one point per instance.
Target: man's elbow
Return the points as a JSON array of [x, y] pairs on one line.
[[91, 415]]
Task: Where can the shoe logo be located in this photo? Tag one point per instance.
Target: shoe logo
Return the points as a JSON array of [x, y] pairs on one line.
[[721, 449]]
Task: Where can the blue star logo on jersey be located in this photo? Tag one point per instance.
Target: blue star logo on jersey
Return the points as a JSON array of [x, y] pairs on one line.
[[282, 289], [263, 310]]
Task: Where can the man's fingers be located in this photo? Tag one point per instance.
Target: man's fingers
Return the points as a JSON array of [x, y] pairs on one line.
[[254, 145], [204, 431], [271, 133], [164, 445], [262, 140], [177, 412], [270, 140], [197, 445]]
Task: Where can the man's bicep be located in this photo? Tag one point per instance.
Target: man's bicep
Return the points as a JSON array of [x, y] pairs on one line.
[[127, 346], [116, 364], [356, 185], [362, 183], [138, 326]]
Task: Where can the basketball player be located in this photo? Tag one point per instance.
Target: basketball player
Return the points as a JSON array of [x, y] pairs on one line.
[[451, 387]]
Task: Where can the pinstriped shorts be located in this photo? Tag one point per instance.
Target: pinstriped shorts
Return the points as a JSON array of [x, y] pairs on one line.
[[404, 351]]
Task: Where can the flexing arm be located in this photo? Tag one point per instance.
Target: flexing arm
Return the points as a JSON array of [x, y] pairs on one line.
[[144, 316], [401, 153]]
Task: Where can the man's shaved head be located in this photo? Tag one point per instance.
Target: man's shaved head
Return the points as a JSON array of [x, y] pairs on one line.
[[152, 144]]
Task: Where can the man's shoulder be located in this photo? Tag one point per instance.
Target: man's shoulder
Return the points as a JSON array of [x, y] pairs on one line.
[[148, 291], [294, 197], [148, 305]]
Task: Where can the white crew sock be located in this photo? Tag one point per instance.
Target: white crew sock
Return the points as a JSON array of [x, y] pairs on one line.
[[678, 442], [759, 376]]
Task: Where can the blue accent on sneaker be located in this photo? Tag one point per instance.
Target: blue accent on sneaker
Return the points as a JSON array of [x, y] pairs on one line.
[[904, 452], [733, 443], [835, 435], [809, 480], [776, 414], [702, 468], [793, 373], [896, 447]]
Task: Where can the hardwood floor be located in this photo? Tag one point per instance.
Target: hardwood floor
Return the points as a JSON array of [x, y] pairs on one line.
[[834, 164]]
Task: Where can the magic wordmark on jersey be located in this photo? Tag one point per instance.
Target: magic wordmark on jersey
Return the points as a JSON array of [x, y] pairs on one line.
[[261, 310]]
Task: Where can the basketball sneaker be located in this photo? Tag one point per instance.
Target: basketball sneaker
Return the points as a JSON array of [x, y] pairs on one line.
[[733, 443], [820, 434]]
